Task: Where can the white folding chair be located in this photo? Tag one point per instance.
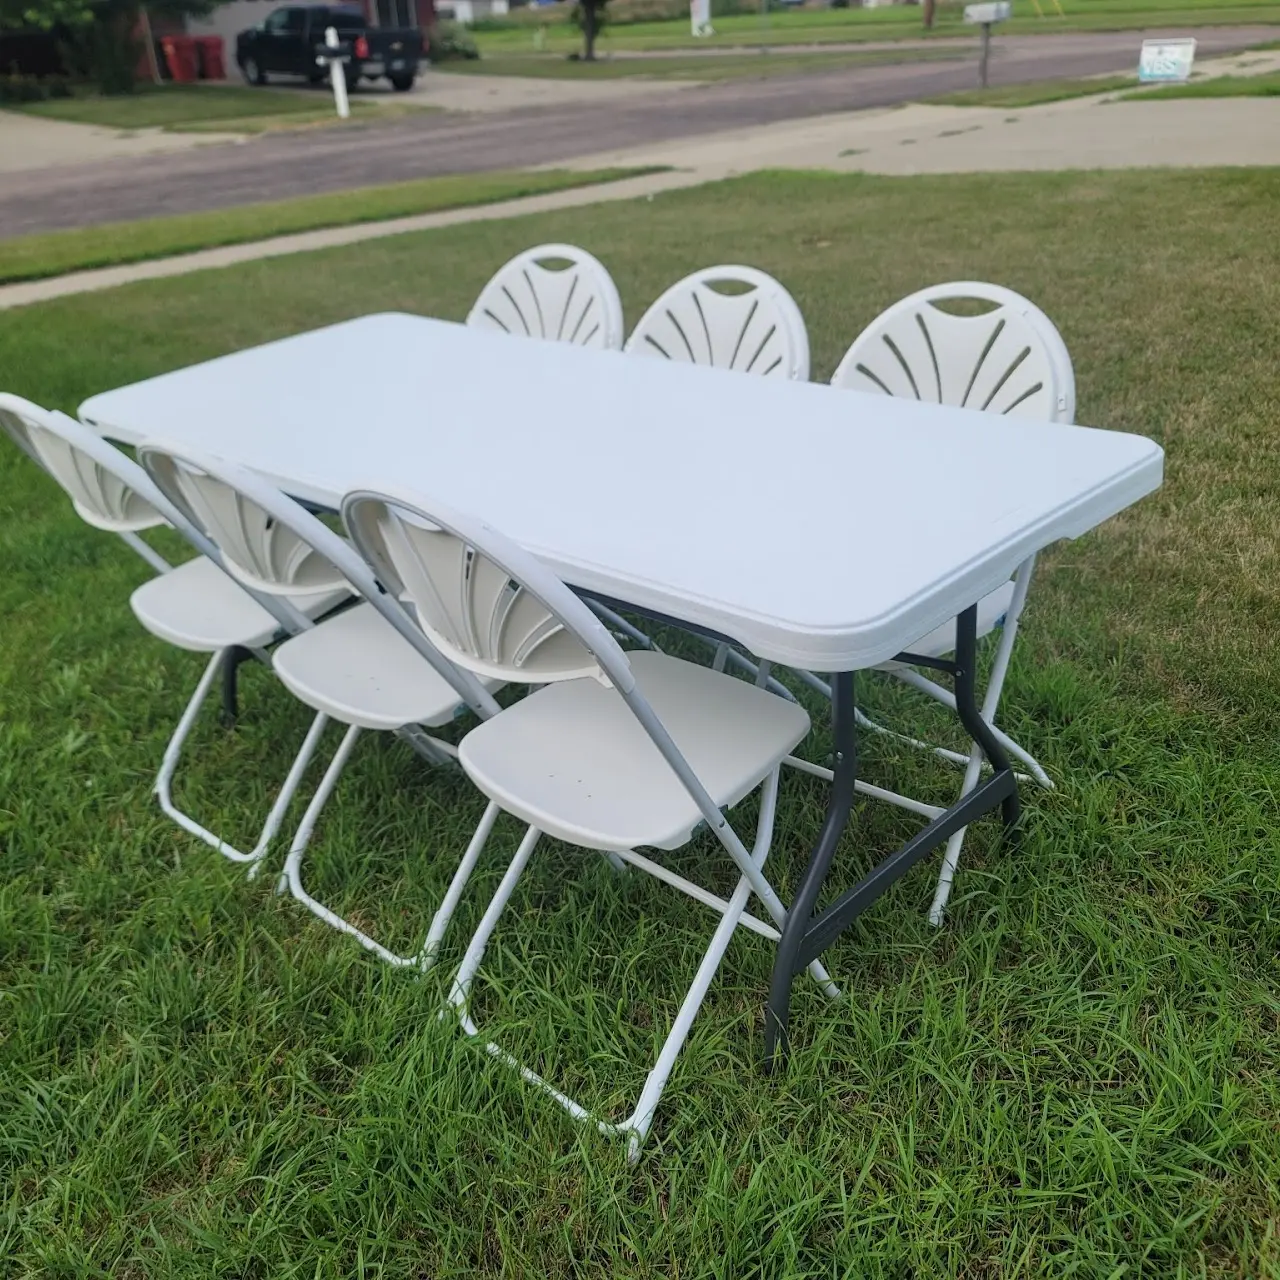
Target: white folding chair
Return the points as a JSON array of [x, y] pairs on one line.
[[729, 317], [555, 291], [609, 752], [1011, 360], [112, 508], [368, 667], [195, 605]]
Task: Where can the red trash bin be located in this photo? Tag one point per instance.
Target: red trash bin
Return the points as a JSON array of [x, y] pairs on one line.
[[212, 64], [180, 54]]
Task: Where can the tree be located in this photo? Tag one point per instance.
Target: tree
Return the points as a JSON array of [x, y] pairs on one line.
[[589, 17], [929, 7], [100, 37]]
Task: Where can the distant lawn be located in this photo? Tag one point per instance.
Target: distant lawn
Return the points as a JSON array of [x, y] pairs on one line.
[[857, 25], [757, 65], [166, 106], [1259, 86], [1031, 95], [57, 252]]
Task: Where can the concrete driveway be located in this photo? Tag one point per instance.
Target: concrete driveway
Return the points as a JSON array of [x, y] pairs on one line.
[[28, 142]]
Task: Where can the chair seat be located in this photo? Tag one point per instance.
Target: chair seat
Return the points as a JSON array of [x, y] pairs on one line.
[[572, 759], [358, 669], [197, 606], [942, 640]]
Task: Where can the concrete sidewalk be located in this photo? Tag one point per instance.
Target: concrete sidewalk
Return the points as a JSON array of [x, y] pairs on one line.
[[1081, 133], [22, 294]]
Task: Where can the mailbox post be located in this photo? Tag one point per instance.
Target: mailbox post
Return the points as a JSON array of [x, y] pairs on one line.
[[337, 71], [986, 16]]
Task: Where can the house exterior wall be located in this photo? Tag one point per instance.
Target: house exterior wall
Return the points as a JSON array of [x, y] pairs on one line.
[[228, 20]]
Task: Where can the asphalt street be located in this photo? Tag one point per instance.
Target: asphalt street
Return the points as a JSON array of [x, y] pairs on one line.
[[278, 166]]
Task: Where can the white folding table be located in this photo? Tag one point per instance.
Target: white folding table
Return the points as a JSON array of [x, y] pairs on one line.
[[822, 529]]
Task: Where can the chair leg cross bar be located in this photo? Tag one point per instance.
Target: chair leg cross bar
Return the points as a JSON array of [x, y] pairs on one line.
[[805, 936]]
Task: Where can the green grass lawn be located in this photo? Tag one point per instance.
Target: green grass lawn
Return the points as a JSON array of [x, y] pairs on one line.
[[755, 65], [1079, 1075], [1032, 95], [825, 26], [174, 105], [57, 252], [1266, 85]]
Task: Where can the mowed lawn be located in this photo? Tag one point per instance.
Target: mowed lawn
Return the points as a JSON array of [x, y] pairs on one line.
[[861, 23], [1078, 1075]]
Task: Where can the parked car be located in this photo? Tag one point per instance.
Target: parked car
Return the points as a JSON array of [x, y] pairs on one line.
[[288, 41]]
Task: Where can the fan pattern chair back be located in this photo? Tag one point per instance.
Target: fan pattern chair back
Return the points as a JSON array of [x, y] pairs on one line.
[[258, 548], [15, 414], [754, 326], [101, 496], [469, 606], [1010, 359], [555, 291]]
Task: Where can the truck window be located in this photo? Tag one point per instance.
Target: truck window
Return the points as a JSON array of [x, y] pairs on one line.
[[294, 22], [345, 20]]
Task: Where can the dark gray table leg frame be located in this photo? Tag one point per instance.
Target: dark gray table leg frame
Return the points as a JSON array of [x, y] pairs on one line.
[[231, 663], [805, 935]]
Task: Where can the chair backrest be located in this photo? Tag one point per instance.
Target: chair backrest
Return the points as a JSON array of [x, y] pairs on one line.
[[1009, 359], [753, 326], [246, 521], [14, 415], [101, 482], [276, 547], [555, 291], [496, 610], [485, 603]]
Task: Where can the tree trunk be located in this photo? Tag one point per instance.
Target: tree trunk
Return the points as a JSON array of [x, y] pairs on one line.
[[928, 6], [588, 30]]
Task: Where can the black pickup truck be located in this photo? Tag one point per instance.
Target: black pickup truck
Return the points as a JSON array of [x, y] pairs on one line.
[[288, 41]]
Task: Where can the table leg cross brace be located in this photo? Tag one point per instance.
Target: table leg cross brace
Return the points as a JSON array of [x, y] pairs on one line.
[[806, 935]]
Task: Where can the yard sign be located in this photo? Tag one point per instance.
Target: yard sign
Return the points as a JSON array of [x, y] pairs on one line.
[[1165, 60]]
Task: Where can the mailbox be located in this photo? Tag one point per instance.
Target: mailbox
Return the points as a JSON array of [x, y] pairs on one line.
[[986, 14]]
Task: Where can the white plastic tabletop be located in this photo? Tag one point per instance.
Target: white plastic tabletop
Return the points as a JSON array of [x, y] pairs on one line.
[[819, 528]]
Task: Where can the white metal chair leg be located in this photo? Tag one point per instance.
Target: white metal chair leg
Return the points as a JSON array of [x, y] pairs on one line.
[[947, 698], [636, 1126], [291, 876], [641, 1119], [973, 769], [149, 554], [164, 779]]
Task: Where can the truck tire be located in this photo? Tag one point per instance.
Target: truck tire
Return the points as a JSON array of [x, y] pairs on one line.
[[251, 71], [402, 84]]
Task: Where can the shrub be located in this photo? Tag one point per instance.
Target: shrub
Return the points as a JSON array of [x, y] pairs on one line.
[[16, 88]]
